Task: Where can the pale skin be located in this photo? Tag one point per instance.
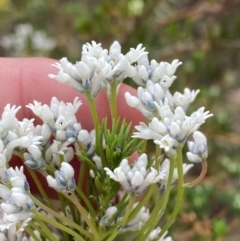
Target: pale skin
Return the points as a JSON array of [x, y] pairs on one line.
[[23, 80]]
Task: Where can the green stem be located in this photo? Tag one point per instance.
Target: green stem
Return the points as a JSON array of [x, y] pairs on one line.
[[112, 99], [144, 143], [179, 195], [94, 116], [86, 201], [60, 217], [44, 230], [83, 213], [57, 225], [93, 110], [50, 168], [40, 187], [31, 233], [81, 175], [129, 209], [143, 146], [159, 208], [124, 220], [63, 209], [143, 201]]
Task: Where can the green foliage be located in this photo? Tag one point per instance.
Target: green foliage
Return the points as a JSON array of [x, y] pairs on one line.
[[220, 228], [204, 35]]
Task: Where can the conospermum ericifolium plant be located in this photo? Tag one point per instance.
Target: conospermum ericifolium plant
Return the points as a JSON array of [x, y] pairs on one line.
[[110, 198]]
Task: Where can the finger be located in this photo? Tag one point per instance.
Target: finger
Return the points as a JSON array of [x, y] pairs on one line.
[[23, 80]]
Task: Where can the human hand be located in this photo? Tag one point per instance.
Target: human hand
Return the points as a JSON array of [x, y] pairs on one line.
[[23, 80]]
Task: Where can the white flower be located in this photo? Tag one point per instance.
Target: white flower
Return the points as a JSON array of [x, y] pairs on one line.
[[58, 115], [84, 75], [115, 49], [151, 132], [153, 235], [34, 163], [165, 166], [98, 161], [150, 94], [15, 225], [198, 150], [16, 203], [2, 163], [88, 141], [12, 173], [8, 120], [185, 99], [4, 192], [64, 179], [169, 144], [41, 42], [93, 50], [104, 221], [67, 74], [171, 68], [44, 131], [42, 111], [36, 232], [110, 212], [138, 221], [28, 142], [57, 148], [20, 198], [104, 69], [166, 81], [3, 237], [137, 178], [133, 101], [134, 54]]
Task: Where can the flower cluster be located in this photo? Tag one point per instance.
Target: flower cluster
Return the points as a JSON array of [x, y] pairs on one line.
[[96, 69], [138, 178], [169, 126], [109, 196], [16, 204]]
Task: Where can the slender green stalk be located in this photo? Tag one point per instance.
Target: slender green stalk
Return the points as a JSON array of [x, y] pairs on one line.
[[83, 213], [179, 195], [40, 187], [45, 174], [62, 203], [93, 110], [168, 187], [63, 218], [44, 230], [113, 100], [72, 211], [159, 208], [63, 209], [56, 224], [143, 201], [143, 146], [129, 209], [123, 222], [50, 168], [31, 233], [86, 201], [94, 116], [81, 175]]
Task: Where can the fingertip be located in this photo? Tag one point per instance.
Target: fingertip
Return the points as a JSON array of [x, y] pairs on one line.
[[124, 110]]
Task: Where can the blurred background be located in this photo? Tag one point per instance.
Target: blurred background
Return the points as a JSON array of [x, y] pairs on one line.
[[203, 34]]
